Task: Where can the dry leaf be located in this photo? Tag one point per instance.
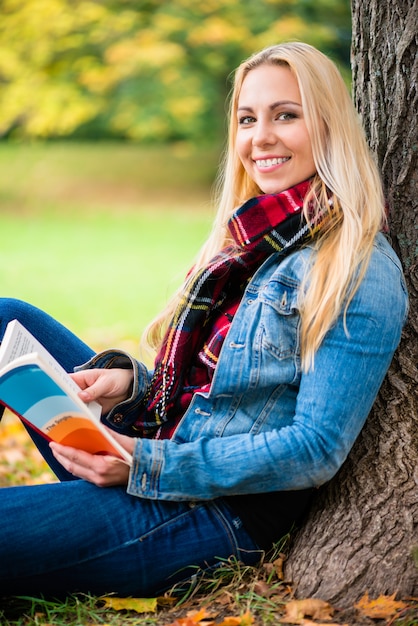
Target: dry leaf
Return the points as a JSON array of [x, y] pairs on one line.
[[193, 618], [200, 617], [308, 622], [166, 602], [139, 605], [278, 566], [262, 589], [183, 621], [225, 598], [245, 620], [268, 568], [383, 607], [297, 610]]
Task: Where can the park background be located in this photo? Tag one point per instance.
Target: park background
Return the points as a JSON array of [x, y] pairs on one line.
[[112, 126]]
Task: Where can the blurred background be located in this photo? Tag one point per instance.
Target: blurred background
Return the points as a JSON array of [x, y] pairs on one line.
[[112, 125]]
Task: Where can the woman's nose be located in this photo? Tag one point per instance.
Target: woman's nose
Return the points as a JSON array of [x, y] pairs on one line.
[[264, 134]]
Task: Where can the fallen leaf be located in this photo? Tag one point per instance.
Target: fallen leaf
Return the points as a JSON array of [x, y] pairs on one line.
[[199, 616], [225, 598], [297, 610], [245, 620], [262, 589], [183, 621], [383, 607], [139, 605], [166, 602], [193, 618], [278, 566], [308, 622]]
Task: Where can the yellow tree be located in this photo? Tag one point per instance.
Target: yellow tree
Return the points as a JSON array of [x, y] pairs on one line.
[[145, 71]]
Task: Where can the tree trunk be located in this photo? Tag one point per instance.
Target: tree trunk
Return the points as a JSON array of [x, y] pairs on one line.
[[361, 531]]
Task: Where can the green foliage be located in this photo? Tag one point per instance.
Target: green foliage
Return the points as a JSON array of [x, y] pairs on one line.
[[144, 71]]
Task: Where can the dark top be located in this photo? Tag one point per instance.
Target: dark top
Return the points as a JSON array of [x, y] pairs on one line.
[[270, 516]]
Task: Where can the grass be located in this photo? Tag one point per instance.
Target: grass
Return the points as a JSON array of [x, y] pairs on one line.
[[232, 592], [96, 236], [103, 273], [99, 235], [234, 595]]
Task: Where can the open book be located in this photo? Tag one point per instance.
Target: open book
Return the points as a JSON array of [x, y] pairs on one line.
[[35, 387]]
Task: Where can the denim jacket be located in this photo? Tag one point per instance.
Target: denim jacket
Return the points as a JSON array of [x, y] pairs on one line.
[[265, 424]]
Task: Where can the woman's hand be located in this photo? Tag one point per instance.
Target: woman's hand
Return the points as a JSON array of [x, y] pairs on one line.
[[108, 387], [102, 470]]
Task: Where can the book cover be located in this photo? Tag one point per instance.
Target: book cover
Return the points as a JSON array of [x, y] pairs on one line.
[[44, 396]]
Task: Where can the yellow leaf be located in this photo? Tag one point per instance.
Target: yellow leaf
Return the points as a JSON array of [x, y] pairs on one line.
[[297, 610], [139, 605], [381, 608]]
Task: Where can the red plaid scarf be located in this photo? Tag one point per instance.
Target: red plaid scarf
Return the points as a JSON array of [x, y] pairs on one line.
[[260, 227], [201, 369]]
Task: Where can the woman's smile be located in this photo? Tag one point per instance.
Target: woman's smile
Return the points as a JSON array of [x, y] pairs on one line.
[[269, 162]]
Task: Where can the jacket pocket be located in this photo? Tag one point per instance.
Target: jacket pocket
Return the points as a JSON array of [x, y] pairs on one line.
[[279, 337]]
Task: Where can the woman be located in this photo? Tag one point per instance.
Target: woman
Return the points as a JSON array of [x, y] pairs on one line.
[[270, 358]]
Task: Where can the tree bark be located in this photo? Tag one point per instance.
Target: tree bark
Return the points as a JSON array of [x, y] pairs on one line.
[[360, 534]]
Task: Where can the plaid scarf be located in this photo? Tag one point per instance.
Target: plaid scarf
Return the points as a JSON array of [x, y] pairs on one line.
[[260, 227]]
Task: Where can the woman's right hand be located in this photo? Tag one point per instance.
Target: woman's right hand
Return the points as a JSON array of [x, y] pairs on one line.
[[108, 387]]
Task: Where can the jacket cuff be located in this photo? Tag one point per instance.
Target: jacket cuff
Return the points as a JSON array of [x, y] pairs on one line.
[[148, 460], [123, 415]]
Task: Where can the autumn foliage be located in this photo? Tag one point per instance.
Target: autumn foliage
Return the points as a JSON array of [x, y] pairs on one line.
[[142, 70]]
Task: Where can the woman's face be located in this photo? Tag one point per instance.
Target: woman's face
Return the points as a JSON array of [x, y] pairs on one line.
[[272, 139]]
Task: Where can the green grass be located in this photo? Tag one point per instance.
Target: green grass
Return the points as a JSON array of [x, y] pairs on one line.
[[96, 236], [103, 273], [248, 595]]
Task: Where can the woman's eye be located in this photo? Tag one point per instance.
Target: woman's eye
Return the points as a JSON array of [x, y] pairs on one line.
[[285, 117], [246, 119]]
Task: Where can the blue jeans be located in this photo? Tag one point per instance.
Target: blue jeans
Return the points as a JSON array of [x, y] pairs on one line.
[[73, 536]]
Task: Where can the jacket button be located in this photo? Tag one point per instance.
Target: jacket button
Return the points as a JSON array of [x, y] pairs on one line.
[[117, 418]]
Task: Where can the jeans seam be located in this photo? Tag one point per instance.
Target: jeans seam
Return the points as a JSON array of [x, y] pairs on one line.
[[238, 550]]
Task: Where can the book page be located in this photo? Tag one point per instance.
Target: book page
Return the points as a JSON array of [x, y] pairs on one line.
[[18, 341]]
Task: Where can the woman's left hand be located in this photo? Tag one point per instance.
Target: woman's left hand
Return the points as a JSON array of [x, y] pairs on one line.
[[102, 470]]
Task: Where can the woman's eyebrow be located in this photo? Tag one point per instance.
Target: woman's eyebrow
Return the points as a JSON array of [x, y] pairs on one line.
[[272, 106]]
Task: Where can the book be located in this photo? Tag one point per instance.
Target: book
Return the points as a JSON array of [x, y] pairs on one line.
[[35, 387]]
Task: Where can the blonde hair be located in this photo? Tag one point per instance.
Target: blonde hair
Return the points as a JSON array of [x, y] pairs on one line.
[[344, 166]]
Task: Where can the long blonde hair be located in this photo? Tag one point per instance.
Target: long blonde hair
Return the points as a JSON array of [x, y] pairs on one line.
[[344, 166]]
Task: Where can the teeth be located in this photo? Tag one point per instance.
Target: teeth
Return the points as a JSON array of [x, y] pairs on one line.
[[270, 162]]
